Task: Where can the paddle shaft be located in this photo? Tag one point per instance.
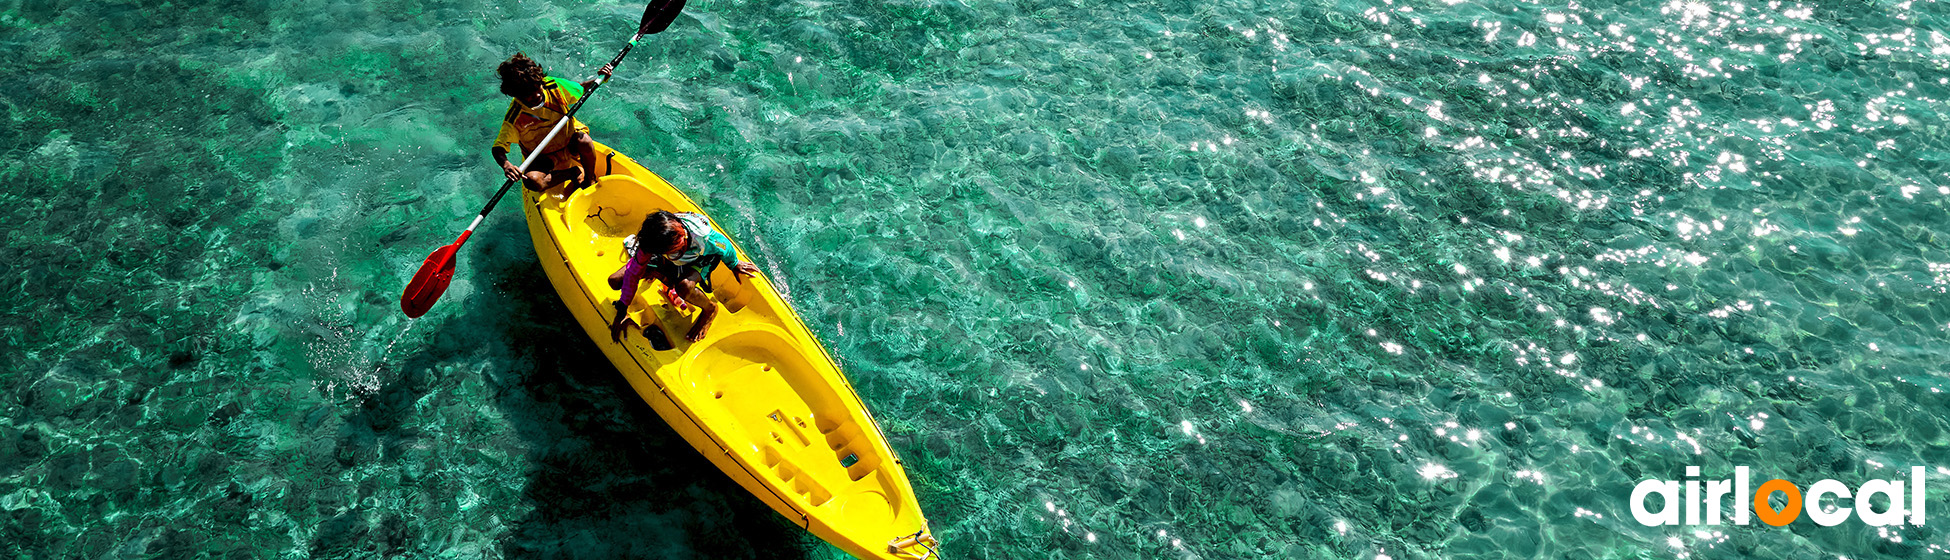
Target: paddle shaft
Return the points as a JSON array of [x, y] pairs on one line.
[[536, 152], [434, 274]]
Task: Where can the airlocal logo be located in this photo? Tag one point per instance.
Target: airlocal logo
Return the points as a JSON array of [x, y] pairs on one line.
[[1899, 503]]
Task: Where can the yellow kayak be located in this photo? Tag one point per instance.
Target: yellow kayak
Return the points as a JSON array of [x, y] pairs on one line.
[[758, 395]]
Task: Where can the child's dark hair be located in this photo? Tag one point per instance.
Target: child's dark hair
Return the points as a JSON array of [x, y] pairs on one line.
[[659, 232], [520, 76]]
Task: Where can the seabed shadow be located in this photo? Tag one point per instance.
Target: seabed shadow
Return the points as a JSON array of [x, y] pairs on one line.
[[609, 479]]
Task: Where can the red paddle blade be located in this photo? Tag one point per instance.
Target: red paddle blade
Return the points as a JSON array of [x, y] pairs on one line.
[[429, 282]]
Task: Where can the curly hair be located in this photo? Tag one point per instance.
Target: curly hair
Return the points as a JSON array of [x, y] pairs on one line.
[[520, 76]]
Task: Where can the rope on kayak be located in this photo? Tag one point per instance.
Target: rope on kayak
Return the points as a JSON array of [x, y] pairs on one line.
[[899, 544], [598, 214]]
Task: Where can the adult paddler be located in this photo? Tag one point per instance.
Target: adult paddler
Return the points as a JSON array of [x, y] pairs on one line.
[[539, 102]]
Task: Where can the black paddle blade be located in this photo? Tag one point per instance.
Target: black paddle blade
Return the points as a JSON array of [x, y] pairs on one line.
[[659, 14]]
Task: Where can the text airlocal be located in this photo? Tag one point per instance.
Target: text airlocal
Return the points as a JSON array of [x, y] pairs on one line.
[[1904, 502]]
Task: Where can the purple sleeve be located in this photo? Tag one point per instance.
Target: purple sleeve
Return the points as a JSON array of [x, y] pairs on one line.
[[633, 274]]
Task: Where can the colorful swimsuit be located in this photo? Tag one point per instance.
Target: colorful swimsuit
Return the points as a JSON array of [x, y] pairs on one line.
[[706, 249]]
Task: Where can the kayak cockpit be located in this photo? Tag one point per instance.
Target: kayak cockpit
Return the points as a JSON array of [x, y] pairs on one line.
[[802, 430], [596, 223]]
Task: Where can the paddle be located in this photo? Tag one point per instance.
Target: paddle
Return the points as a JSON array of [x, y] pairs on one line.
[[438, 270]]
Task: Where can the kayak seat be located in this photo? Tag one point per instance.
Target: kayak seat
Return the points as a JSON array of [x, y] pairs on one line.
[[615, 207], [755, 375]]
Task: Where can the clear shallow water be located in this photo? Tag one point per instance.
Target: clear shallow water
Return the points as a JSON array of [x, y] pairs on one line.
[[1220, 280]]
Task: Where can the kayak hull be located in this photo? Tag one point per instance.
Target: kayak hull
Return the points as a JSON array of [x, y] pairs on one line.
[[758, 395]]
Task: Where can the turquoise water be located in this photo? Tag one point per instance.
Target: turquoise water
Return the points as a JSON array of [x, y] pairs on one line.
[[1398, 279]]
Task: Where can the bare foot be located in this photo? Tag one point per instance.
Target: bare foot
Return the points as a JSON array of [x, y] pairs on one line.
[[703, 324]]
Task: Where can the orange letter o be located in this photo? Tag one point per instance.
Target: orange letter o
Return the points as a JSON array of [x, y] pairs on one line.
[[1783, 516]]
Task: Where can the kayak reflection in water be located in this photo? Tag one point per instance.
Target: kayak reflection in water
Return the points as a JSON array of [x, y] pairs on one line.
[[680, 250], [539, 102]]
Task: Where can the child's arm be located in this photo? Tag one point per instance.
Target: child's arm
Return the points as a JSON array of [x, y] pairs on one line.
[[721, 246], [625, 279], [507, 167], [502, 140]]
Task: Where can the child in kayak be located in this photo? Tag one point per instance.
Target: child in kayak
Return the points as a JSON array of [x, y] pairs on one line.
[[680, 250], [539, 102]]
